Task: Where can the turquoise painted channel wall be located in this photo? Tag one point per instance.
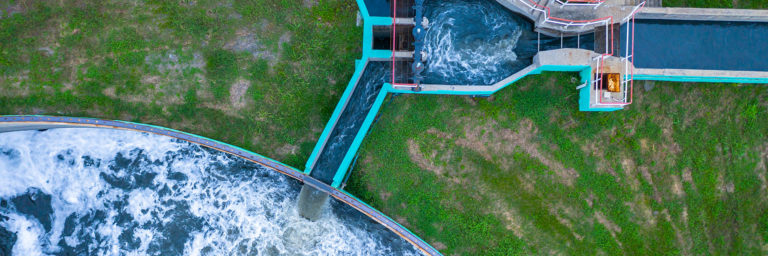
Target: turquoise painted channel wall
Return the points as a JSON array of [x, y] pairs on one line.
[[369, 54]]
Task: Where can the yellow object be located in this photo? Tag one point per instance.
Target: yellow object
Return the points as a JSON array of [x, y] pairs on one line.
[[613, 82]]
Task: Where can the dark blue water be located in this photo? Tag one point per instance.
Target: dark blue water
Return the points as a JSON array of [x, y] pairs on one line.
[[708, 45], [480, 42], [110, 192], [378, 8], [351, 119]]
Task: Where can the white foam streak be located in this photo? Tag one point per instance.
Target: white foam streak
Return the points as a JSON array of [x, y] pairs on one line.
[[237, 215], [28, 235], [468, 43]]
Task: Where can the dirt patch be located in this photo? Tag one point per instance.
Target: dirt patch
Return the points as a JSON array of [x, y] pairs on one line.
[[687, 175], [442, 135], [761, 168], [602, 219], [643, 211], [170, 62], [564, 215], [403, 221], [286, 150], [284, 38], [677, 186], [644, 144], [237, 93], [629, 168], [612, 227], [724, 186], [489, 139], [421, 160], [12, 85], [151, 80], [646, 175], [438, 245], [385, 195], [6, 10], [469, 100], [509, 215], [109, 92], [246, 41], [513, 222]]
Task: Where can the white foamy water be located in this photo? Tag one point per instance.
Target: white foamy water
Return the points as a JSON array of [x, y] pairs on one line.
[[112, 192], [470, 42]]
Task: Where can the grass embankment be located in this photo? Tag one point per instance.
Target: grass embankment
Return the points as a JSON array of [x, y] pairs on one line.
[[680, 171], [260, 74]]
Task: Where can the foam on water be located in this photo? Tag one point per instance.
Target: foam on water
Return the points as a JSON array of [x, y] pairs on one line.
[[109, 192], [480, 42], [28, 232], [470, 42]]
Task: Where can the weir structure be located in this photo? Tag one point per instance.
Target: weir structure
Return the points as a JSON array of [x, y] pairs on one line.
[[632, 41]]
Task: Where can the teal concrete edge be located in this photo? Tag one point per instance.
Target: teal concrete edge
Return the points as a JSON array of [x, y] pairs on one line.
[[368, 52], [367, 122], [584, 71], [393, 221], [349, 156]]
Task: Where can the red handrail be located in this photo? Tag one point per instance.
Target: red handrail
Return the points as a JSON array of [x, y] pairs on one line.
[[394, 36], [631, 68]]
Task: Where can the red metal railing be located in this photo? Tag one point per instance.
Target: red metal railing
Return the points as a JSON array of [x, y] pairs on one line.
[[628, 65], [560, 21], [394, 40]]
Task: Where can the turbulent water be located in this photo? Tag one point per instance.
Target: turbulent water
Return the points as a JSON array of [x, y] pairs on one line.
[[351, 119], [109, 192], [470, 42], [479, 42]]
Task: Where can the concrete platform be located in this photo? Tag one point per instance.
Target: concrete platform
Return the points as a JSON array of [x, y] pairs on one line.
[[552, 58], [618, 9]]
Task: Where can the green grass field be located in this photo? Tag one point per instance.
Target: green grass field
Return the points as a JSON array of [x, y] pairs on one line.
[[681, 171], [261, 74]]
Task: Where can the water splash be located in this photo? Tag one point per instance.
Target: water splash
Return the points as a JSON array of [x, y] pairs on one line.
[[110, 192], [471, 42], [480, 42]]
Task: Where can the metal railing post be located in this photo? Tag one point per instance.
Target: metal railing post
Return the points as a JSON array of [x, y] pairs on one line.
[[538, 41]]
